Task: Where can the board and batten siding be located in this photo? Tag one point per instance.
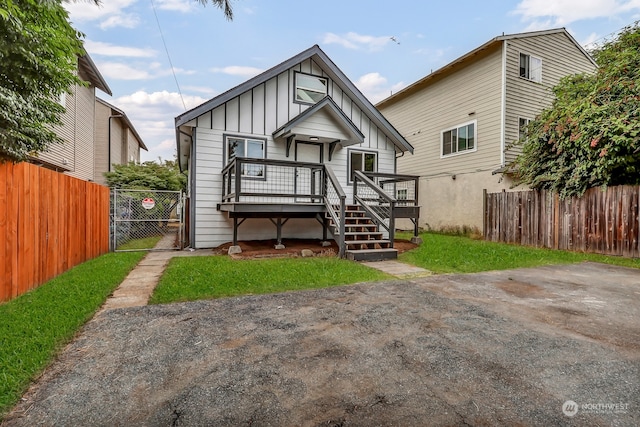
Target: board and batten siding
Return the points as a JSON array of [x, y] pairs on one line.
[[472, 93], [525, 98], [258, 113]]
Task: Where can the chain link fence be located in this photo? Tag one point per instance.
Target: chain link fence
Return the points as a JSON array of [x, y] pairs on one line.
[[146, 219]]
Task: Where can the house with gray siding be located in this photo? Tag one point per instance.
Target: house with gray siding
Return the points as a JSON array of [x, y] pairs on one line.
[[116, 140], [295, 152], [463, 119], [96, 135], [75, 156]]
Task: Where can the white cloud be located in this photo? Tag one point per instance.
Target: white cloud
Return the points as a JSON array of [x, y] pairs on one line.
[[563, 13], [137, 71], [111, 13], [177, 5], [108, 49], [153, 116], [355, 41], [119, 71], [238, 70], [376, 88]]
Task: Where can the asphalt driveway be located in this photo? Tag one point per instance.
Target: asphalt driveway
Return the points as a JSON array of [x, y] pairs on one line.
[[497, 348]]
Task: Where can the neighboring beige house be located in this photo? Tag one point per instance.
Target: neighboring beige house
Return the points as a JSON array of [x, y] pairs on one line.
[[116, 140], [96, 134], [75, 156], [462, 119]]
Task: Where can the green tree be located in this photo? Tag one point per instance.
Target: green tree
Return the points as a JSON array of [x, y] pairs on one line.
[[590, 136], [147, 176], [38, 54]]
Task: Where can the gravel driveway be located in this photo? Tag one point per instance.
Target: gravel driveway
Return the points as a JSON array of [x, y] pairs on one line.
[[497, 348]]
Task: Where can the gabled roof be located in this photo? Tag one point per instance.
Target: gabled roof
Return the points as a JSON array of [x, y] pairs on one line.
[[88, 67], [470, 57], [330, 69], [126, 120], [328, 104]]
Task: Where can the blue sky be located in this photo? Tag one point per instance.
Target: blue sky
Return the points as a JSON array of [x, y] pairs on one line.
[[382, 46]]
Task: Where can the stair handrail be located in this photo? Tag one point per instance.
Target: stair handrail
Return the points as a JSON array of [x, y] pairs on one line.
[[376, 216], [331, 183]]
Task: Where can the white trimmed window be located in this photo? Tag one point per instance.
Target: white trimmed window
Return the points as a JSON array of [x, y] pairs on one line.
[[365, 161], [531, 68], [310, 89], [459, 139], [246, 147], [522, 128]]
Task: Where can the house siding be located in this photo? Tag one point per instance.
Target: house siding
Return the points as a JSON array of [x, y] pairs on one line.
[[472, 93], [451, 188], [525, 98], [257, 113], [75, 155], [101, 138]]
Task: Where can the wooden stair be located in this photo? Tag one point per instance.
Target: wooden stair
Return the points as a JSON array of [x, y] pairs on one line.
[[363, 239]]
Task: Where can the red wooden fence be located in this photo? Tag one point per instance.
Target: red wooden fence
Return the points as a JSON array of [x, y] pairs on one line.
[[49, 222], [605, 222]]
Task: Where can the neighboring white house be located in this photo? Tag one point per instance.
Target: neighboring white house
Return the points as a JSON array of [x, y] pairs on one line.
[[302, 110], [463, 118], [116, 140]]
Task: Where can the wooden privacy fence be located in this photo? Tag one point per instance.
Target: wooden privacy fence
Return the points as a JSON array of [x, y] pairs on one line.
[[604, 222], [49, 222]]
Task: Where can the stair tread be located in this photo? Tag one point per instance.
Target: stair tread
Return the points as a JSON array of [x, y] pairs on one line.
[[373, 250]]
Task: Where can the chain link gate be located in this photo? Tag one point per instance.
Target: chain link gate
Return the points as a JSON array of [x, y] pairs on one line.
[[146, 219]]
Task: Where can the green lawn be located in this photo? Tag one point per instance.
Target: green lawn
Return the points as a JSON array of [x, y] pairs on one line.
[[36, 325], [138, 244], [188, 279], [455, 254]]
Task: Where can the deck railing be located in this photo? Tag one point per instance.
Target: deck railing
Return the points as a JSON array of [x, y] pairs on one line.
[[376, 201], [246, 180], [404, 188], [335, 202], [272, 181]]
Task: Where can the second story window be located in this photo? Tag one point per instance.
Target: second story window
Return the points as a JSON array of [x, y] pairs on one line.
[[459, 139], [310, 89], [531, 68]]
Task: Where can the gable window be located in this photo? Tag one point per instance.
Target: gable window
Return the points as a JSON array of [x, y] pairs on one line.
[[310, 89], [459, 139], [246, 147], [531, 68], [364, 161], [522, 128]]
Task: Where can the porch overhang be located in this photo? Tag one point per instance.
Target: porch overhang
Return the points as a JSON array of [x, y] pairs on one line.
[[309, 126]]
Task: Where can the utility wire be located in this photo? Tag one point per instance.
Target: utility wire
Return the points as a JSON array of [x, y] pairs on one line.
[[153, 5]]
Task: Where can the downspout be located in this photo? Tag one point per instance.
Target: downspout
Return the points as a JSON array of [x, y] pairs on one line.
[[503, 101], [109, 141]]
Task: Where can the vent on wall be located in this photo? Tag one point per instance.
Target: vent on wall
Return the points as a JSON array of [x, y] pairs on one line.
[[65, 161]]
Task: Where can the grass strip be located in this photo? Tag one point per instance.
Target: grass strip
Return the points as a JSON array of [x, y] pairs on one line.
[[456, 254], [189, 279], [142, 243], [36, 325]]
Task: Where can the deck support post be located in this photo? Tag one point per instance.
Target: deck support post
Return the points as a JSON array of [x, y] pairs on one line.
[[279, 223], [235, 231]]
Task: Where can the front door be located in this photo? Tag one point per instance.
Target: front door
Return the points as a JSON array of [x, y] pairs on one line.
[[308, 179]]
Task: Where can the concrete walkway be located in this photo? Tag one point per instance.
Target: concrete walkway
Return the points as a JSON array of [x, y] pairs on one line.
[[137, 287], [398, 269]]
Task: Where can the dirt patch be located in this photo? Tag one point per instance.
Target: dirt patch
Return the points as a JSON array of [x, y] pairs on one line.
[[293, 248]]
